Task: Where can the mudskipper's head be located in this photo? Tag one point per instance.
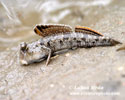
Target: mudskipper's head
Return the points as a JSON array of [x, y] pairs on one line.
[[30, 53]]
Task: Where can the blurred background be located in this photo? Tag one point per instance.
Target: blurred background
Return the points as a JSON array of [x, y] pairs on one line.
[[18, 17]]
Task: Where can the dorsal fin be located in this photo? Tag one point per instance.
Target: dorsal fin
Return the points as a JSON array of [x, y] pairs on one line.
[[46, 30], [86, 30]]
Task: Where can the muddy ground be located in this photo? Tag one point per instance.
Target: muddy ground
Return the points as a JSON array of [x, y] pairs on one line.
[[82, 74]]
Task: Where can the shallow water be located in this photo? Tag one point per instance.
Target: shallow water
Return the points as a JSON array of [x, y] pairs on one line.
[[83, 67]]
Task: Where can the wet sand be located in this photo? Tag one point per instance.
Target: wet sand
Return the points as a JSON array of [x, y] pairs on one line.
[[72, 75]]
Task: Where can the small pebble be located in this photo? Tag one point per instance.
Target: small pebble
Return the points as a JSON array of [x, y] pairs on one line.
[[120, 68], [67, 54], [51, 85], [123, 75]]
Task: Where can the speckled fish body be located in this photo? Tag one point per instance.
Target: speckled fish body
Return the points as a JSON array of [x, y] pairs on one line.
[[79, 40], [39, 50]]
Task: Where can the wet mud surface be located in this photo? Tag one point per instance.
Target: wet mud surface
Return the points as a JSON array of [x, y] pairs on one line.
[[73, 72]]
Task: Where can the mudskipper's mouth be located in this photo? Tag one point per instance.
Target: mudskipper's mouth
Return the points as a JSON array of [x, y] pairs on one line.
[[25, 62]]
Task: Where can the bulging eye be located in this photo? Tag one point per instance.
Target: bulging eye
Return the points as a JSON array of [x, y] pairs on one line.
[[23, 46]]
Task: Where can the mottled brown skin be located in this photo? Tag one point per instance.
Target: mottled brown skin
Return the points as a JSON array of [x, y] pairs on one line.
[[48, 46], [60, 37], [79, 40]]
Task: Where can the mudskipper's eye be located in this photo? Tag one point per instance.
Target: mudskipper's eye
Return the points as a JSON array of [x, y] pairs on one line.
[[23, 46]]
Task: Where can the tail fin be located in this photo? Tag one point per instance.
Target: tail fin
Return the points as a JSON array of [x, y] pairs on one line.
[[106, 41], [114, 42]]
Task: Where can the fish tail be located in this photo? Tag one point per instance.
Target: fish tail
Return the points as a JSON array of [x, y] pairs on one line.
[[105, 41], [114, 42]]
